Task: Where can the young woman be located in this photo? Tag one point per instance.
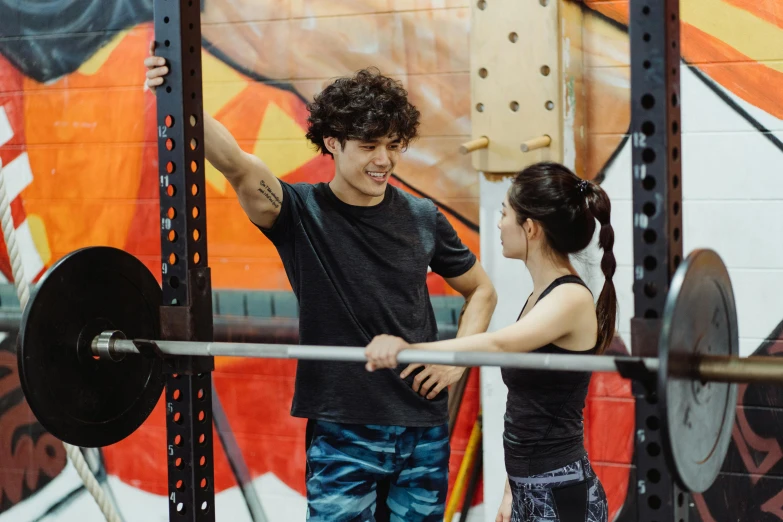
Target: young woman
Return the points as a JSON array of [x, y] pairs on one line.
[[548, 214]]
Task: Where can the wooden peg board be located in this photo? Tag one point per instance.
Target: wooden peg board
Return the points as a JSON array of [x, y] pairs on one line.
[[516, 82]]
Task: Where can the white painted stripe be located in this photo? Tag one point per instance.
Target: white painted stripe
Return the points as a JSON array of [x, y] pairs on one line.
[[6, 132], [17, 175], [31, 259]]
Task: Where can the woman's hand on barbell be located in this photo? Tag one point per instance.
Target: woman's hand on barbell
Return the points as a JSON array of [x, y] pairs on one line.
[[382, 352]]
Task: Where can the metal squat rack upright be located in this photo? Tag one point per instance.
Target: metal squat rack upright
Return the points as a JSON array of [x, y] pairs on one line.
[[654, 30], [186, 312]]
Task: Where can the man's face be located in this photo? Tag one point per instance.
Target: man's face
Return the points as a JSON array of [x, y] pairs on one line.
[[366, 165]]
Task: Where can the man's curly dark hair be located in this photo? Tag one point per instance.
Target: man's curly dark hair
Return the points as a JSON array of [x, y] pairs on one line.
[[366, 107]]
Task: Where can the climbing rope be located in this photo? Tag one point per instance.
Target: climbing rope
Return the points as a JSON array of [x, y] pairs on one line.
[[23, 292]]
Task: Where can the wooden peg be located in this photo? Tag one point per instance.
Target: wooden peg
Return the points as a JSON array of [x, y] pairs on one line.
[[479, 143], [536, 143]]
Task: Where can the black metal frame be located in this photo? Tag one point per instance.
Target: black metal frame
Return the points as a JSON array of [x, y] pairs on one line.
[[654, 29], [186, 311]]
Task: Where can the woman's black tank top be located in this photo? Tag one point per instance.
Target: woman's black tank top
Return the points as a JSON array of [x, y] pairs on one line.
[[544, 427]]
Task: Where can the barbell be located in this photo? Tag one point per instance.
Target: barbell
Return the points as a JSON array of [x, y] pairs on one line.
[[92, 368]]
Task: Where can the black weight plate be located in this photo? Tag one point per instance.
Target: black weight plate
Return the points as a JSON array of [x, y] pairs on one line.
[[78, 399], [700, 318]]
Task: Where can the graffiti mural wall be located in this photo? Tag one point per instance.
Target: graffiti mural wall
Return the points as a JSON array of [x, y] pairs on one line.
[[77, 143]]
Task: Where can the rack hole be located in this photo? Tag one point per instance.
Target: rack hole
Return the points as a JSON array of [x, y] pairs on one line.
[[202, 439], [676, 208], [646, 10], [201, 416], [192, 49], [480, 107], [168, 89], [483, 72], [176, 395], [200, 394], [169, 121], [646, 64], [648, 155], [648, 128], [193, 167], [167, 43], [653, 475], [648, 182], [180, 486], [194, 189], [482, 4], [166, 20], [181, 508], [653, 423], [650, 314], [549, 105], [178, 417], [194, 212], [178, 440], [646, 37], [675, 127], [204, 506], [196, 234], [675, 153], [178, 463], [174, 282], [649, 209], [193, 144], [204, 483], [513, 37], [680, 500], [196, 258], [170, 167], [545, 70], [650, 263], [650, 237], [169, 144], [675, 181], [171, 213], [676, 234], [544, 2], [648, 101], [202, 461], [172, 236], [171, 190], [172, 259], [674, 100], [650, 290], [514, 106], [193, 120], [654, 502]]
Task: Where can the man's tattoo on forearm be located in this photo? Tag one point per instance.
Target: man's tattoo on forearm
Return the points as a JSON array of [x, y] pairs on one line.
[[266, 190]]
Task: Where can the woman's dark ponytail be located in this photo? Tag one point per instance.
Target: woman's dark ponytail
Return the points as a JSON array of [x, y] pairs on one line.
[[606, 308]]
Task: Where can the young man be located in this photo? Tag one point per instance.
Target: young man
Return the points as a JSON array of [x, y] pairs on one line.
[[357, 251]]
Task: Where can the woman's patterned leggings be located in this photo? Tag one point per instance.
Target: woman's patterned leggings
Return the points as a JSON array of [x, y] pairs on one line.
[[570, 494]]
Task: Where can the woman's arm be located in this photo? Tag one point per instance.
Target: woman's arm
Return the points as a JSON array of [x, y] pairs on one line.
[[555, 317]]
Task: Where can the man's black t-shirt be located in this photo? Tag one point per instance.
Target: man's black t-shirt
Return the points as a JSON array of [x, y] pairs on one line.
[[359, 272]]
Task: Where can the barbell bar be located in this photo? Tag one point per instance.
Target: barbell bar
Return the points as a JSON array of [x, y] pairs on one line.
[[112, 345], [92, 360]]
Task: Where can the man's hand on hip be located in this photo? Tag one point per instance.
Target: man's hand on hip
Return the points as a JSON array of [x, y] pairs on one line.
[[433, 378]]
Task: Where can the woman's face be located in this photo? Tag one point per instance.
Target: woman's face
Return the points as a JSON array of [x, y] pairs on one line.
[[513, 237]]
